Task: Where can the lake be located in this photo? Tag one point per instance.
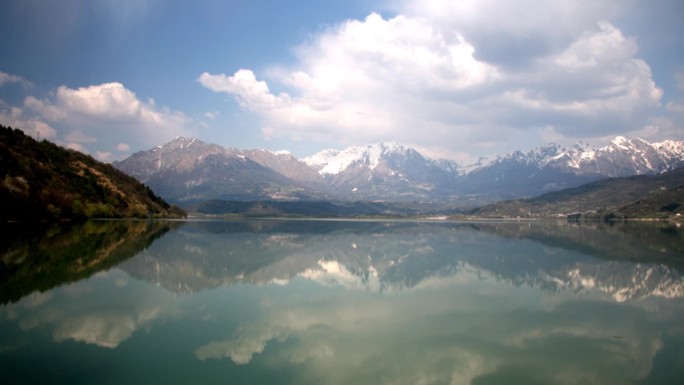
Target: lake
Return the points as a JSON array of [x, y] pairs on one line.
[[341, 302]]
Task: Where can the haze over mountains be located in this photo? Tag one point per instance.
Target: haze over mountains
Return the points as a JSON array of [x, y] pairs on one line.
[[188, 170]]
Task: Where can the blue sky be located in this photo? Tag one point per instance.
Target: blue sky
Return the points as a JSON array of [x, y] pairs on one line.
[[455, 79]]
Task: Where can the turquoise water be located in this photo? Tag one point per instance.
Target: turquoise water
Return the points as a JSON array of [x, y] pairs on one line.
[[342, 302]]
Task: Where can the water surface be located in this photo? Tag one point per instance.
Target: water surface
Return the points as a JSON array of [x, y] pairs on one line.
[[342, 302]]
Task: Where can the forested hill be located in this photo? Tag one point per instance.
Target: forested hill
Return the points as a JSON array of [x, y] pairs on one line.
[[40, 180]]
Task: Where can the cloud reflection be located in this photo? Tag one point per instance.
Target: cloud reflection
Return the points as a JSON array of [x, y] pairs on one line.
[[460, 329], [100, 311]]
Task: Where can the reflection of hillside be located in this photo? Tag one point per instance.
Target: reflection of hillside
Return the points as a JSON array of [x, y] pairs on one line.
[[43, 257], [631, 241], [398, 255]]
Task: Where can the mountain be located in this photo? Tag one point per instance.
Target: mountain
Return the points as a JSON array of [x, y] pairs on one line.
[[553, 167], [655, 196], [383, 171], [41, 180], [285, 164], [190, 171]]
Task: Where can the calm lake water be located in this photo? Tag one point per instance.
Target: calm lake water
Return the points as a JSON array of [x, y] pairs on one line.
[[341, 302]]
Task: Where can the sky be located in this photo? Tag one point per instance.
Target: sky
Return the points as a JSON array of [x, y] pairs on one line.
[[455, 79]]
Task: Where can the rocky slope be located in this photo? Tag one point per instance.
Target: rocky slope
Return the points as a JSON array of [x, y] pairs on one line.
[[189, 170]]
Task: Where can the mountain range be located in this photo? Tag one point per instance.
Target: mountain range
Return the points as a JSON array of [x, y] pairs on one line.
[[186, 171]]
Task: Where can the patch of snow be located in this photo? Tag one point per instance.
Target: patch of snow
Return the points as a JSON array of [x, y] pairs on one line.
[[621, 142], [482, 162]]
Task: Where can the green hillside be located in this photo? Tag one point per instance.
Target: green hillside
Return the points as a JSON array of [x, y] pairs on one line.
[[644, 196], [42, 181]]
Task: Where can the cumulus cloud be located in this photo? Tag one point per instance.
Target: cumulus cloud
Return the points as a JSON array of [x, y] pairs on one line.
[[107, 103], [95, 119], [16, 118], [458, 73]]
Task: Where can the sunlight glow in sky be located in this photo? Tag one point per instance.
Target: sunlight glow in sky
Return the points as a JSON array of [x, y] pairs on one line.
[[455, 79]]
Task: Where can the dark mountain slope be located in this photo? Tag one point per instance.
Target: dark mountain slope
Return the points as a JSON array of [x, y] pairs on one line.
[[655, 196], [41, 180]]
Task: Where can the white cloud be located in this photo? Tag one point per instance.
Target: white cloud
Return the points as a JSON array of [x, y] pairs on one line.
[[77, 147], [437, 76], [45, 109], [358, 77], [107, 102], [110, 103], [123, 147], [212, 114], [78, 136], [9, 78], [96, 119], [104, 156], [16, 118]]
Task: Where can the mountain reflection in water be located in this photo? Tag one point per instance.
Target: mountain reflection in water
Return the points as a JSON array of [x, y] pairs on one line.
[[387, 256], [368, 302]]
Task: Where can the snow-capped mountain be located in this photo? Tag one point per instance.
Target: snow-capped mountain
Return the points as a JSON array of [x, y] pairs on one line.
[[553, 167], [622, 157], [334, 162], [382, 171], [186, 170]]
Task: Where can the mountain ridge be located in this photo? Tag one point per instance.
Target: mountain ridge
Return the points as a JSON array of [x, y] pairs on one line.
[[189, 170]]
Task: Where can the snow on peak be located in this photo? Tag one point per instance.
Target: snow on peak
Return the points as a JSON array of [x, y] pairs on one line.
[[622, 142], [181, 142], [670, 147], [332, 162], [320, 158], [276, 153]]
